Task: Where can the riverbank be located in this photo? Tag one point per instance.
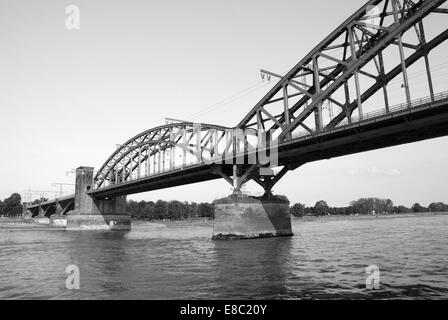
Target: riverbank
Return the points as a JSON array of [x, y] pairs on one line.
[[201, 222], [21, 223], [17, 224], [377, 216]]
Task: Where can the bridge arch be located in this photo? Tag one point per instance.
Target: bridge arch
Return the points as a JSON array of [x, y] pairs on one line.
[[49, 211], [149, 151]]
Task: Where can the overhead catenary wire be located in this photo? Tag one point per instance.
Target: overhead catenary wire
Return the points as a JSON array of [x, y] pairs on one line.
[[263, 83], [239, 95]]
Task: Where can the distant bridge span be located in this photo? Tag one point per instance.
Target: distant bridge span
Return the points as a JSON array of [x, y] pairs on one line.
[[347, 73]]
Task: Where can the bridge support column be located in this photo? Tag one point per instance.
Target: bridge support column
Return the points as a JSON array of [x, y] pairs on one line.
[[57, 219], [41, 212], [58, 210], [96, 214], [26, 213], [41, 218], [240, 216]]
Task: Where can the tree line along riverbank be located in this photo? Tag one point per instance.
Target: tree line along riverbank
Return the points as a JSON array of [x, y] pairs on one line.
[[177, 210]]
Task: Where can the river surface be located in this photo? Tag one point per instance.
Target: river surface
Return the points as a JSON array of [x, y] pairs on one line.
[[326, 259]]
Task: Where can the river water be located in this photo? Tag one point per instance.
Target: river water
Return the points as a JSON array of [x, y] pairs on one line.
[[326, 259]]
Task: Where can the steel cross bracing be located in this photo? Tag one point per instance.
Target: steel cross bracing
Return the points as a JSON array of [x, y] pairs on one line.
[[359, 42]]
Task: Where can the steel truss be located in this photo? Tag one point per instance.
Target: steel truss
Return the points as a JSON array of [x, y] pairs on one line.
[[294, 106], [337, 64]]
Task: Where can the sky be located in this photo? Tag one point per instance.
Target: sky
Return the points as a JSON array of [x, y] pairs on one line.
[[68, 97]]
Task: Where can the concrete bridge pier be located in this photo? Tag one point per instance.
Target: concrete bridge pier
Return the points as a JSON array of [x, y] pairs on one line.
[[58, 219], [96, 214], [41, 218], [26, 213], [41, 213], [240, 216]]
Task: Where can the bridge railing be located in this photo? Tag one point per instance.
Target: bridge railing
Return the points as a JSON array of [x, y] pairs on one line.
[[368, 116], [414, 104]]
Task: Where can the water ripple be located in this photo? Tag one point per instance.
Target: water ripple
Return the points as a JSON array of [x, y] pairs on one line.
[[325, 260]]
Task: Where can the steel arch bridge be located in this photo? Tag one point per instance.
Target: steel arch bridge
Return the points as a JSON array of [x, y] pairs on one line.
[[318, 110], [151, 147]]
